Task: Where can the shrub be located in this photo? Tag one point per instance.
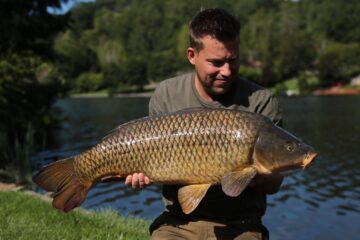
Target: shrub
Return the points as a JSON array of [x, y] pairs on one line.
[[89, 82], [28, 88], [338, 63], [250, 73]]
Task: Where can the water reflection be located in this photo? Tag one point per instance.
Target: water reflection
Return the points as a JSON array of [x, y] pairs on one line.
[[329, 188], [331, 124]]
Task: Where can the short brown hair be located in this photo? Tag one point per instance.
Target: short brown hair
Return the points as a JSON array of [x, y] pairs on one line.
[[214, 22]]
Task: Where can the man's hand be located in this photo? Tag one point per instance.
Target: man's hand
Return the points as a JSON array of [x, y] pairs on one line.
[[267, 184], [137, 180]]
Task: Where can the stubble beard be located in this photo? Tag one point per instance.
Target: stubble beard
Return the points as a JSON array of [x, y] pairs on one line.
[[216, 91]]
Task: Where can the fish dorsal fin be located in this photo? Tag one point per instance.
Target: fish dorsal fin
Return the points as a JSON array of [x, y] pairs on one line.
[[233, 183], [116, 130], [191, 195]]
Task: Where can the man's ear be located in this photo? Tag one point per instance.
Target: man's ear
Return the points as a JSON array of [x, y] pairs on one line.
[[191, 55]]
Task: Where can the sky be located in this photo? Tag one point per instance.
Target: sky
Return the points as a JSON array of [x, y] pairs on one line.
[[67, 6]]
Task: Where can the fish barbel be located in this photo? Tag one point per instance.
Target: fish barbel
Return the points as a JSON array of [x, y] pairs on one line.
[[196, 148]]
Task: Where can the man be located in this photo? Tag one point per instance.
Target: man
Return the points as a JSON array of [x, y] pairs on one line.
[[214, 52]]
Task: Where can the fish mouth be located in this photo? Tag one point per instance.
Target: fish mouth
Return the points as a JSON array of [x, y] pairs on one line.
[[309, 158]]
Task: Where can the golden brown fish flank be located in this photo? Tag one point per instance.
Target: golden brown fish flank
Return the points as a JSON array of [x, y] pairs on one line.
[[197, 148], [157, 146]]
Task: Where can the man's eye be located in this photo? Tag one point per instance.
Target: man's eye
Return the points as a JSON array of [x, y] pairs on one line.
[[217, 63]]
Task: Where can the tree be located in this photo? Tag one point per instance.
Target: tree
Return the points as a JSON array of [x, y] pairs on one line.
[[73, 57], [27, 25], [29, 83], [279, 41], [338, 20], [28, 88], [258, 42], [338, 63]]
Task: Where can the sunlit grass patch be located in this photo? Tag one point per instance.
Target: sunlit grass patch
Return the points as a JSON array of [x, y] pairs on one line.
[[26, 216]]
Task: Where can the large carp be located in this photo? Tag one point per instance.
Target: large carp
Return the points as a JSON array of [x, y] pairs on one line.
[[196, 148]]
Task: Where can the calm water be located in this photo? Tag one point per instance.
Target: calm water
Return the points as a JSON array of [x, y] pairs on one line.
[[322, 202]]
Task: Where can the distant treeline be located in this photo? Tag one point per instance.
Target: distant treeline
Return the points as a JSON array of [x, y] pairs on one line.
[[119, 43]]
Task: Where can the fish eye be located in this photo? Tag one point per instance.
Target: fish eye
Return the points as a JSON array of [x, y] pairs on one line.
[[289, 147]]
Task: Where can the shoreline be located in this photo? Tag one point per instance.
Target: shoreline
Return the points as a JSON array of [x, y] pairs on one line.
[[331, 91], [336, 91], [106, 95], [149, 94], [10, 187]]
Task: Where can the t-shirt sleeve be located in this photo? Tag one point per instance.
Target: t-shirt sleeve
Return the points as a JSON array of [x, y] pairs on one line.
[[271, 109], [157, 103]]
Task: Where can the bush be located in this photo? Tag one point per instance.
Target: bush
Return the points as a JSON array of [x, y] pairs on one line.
[[162, 65], [132, 73], [28, 88], [89, 82], [339, 63], [250, 73], [305, 83], [279, 89]]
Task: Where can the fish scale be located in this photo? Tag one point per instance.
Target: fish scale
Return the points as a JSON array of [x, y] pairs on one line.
[[189, 143]]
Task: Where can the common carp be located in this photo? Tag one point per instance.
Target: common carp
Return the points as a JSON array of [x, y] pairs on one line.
[[195, 148]]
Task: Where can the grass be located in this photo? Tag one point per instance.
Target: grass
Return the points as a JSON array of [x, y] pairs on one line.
[[100, 93], [27, 216]]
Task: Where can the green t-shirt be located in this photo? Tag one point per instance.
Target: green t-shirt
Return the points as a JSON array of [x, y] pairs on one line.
[[179, 93]]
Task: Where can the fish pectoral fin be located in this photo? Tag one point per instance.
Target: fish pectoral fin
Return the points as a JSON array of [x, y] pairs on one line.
[[233, 183], [191, 195]]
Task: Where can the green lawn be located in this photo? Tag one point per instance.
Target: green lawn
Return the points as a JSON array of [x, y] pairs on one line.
[[27, 216]]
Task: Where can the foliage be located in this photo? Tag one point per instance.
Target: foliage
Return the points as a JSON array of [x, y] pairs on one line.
[[250, 73], [285, 37], [131, 48], [27, 216], [89, 82], [304, 83], [339, 63], [28, 87], [28, 25], [73, 57], [275, 38], [338, 20], [134, 72], [29, 81]]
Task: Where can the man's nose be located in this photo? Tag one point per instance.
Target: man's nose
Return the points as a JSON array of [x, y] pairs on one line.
[[225, 70]]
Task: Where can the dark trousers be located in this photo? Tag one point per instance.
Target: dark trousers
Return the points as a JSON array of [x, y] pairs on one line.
[[167, 226]]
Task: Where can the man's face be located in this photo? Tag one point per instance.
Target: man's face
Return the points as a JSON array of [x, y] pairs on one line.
[[216, 66]]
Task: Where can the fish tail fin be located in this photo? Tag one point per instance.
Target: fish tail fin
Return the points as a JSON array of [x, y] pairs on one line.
[[60, 178]]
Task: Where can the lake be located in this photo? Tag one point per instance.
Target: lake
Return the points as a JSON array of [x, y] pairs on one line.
[[322, 202]]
